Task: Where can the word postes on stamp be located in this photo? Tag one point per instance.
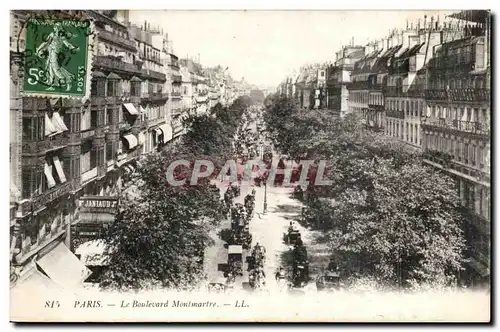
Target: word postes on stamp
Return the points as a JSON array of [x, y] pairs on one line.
[[58, 58]]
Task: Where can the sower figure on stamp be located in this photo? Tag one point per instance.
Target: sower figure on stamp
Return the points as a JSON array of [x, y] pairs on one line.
[[55, 74]]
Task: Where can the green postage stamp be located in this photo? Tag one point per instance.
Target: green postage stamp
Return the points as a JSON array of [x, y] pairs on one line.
[[58, 58]]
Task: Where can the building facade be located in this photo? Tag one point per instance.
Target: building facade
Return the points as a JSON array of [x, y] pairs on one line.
[[64, 150], [456, 132], [339, 76]]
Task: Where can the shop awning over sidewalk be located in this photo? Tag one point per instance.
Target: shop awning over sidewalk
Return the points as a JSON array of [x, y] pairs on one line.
[[92, 253], [131, 108], [63, 267]]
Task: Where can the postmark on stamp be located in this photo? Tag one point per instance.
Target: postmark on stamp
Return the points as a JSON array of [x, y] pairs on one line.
[[58, 58]]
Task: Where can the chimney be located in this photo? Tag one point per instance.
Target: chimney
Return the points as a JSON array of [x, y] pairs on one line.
[[425, 22]]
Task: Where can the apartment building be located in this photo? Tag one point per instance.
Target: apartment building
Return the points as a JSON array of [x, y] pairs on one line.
[[456, 136], [339, 76], [65, 151], [154, 95], [405, 102]]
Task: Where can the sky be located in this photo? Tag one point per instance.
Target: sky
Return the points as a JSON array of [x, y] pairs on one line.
[[266, 46]]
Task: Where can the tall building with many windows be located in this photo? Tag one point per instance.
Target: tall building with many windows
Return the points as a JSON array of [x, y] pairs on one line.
[[456, 129], [66, 150]]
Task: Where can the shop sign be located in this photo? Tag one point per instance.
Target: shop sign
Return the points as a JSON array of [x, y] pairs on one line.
[[99, 204]]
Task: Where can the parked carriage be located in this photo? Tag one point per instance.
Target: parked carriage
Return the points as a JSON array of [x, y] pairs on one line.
[[328, 281], [235, 259], [292, 237]]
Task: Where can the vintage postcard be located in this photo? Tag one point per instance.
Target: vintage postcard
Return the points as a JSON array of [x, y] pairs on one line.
[[250, 166]]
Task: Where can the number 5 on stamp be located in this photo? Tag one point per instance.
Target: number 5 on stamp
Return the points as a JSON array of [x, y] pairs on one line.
[[58, 61]]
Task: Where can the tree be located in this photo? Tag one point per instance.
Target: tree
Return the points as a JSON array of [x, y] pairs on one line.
[[387, 215], [160, 232], [159, 236], [402, 225]]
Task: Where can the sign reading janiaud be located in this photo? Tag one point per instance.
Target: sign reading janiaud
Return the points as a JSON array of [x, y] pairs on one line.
[[99, 204]]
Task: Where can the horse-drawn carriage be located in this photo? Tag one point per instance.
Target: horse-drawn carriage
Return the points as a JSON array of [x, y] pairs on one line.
[[257, 257], [250, 206], [292, 237], [328, 281], [300, 274], [235, 259]]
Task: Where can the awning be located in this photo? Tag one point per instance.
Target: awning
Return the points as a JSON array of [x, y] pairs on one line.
[[131, 140], [96, 218], [167, 132], [58, 122], [92, 253], [63, 267], [59, 169], [33, 282], [234, 250], [141, 138], [50, 129], [131, 108], [158, 131], [142, 110], [48, 174]]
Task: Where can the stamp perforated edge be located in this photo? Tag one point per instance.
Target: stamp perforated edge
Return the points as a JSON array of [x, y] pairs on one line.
[[91, 49]]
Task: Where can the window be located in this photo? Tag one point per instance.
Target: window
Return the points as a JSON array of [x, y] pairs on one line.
[[93, 88], [481, 157], [452, 147], [120, 114], [111, 88], [458, 151], [473, 154], [109, 116], [407, 131], [85, 161], [33, 128], [94, 119], [407, 105], [466, 153], [34, 182], [85, 123]]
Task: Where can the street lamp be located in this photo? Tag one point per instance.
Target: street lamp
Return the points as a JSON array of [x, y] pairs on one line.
[[265, 196]]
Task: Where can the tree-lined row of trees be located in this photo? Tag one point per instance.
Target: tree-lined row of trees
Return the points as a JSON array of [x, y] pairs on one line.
[[386, 215], [160, 234]]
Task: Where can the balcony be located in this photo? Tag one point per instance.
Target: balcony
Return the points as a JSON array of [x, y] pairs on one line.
[[436, 94], [50, 195], [473, 127], [128, 156], [124, 126], [363, 85], [88, 133], [45, 145], [439, 157], [481, 95], [155, 96], [117, 66], [154, 122], [117, 39], [176, 94], [395, 114], [393, 91], [176, 79], [155, 75]]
